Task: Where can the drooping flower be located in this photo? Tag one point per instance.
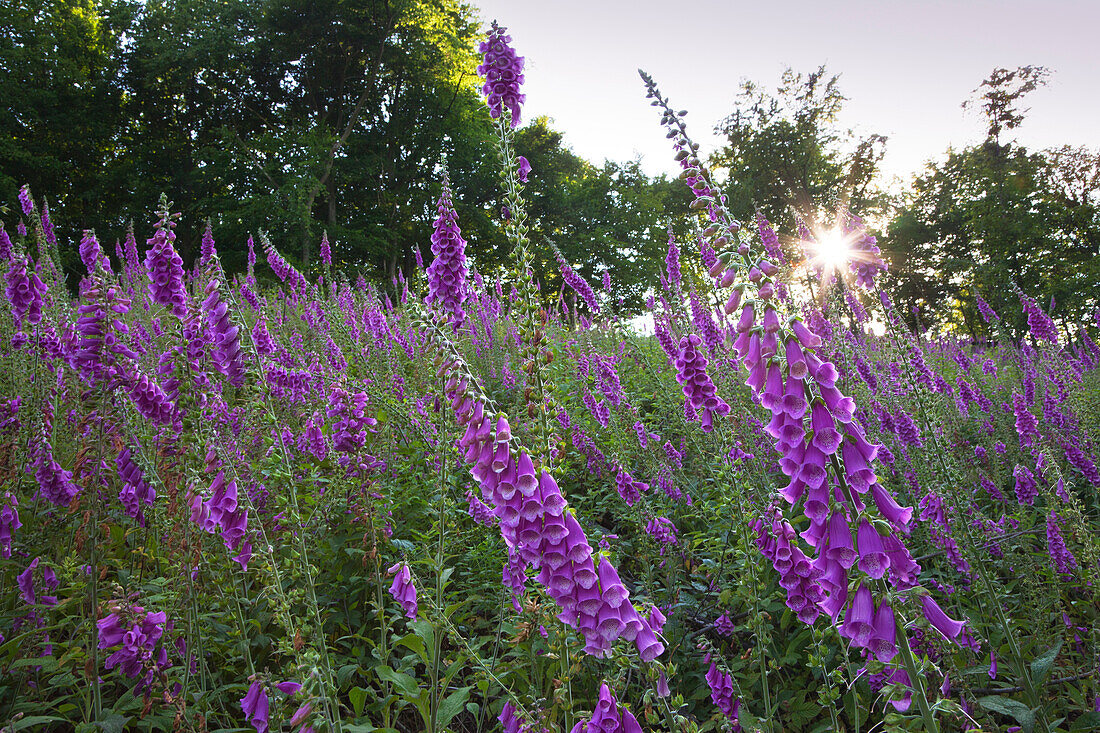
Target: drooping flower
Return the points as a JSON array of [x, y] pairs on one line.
[[721, 693], [503, 73], [255, 706], [608, 717], [402, 589], [9, 521]]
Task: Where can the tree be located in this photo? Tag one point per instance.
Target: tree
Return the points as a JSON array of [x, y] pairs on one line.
[[60, 66], [786, 155], [995, 214]]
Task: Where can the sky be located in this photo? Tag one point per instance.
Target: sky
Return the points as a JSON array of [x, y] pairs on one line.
[[906, 67]]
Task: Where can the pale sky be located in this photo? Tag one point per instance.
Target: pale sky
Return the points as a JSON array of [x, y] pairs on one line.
[[906, 67]]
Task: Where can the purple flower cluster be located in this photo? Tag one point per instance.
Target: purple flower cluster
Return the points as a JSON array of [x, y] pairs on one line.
[[503, 73], [663, 530], [220, 510], [149, 399], [137, 634], [769, 239], [326, 250], [797, 573], [691, 367], [672, 261], [629, 489], [721, 693], [608, 717], [481, 512], [1041, 325], [226, 354], [165, 268], [350, 421], [579, 285], [538, 529], [25, 292], [864, 253], [55, 483], [402, 589], [447, 273], [1065, 564], [9, 522], [1026, 488], [256, 706], [1027, 427], [135, 489]]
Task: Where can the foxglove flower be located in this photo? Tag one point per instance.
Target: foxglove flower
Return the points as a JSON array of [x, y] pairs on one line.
[[166, 268], [1065, 564], [326, 250], [255, 706], [226, 354], [138, 635], [721, 693], [1042, 327], [608, 717], [402, 589], [503, 73], [579, 285], [9, 522], [135, 489], [1026, 488], [447, 273], [697, 387], [987, 312], [511, 721], [25, 292]]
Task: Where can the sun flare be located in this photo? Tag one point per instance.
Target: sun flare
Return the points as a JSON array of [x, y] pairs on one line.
[[833, 250]]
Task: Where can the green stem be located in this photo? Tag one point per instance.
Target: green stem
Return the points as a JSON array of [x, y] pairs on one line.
[[915, 678]]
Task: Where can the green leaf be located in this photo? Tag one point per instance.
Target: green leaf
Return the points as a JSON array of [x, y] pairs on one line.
[[452, 705], [425, 631], [358, 697], [1041, 667], [1088, 721], [1015, 709], [414, 642], [403, 682], [27, 722]]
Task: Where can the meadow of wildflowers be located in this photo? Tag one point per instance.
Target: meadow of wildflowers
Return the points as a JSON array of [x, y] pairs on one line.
[[453, 501]]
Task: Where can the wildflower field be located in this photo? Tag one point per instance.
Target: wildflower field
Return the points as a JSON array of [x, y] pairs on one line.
[[461, 500]]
